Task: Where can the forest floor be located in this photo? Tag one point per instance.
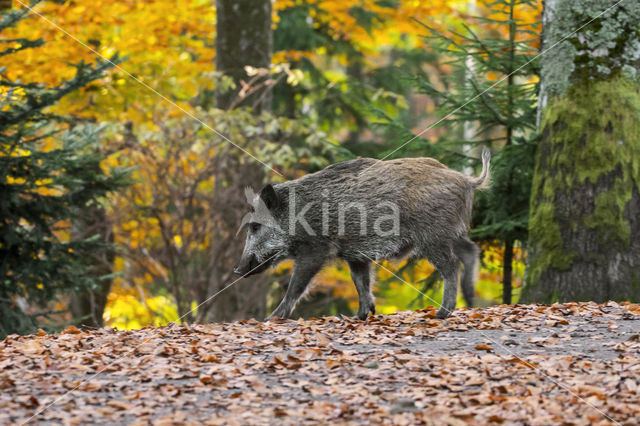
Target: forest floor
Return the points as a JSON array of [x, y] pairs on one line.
[[573, 363]]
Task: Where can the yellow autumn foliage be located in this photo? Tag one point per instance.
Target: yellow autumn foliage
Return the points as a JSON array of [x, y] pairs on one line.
[[170, 51]]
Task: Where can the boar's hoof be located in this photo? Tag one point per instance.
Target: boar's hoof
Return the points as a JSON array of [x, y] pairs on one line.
[[279, 313], [362, 315], [443, 313]]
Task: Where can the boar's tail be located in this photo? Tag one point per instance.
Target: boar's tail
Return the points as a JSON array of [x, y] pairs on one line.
[[483, 181]]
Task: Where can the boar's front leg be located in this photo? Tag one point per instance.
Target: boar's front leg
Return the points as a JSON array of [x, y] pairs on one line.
[[303, 271], [361, 276]]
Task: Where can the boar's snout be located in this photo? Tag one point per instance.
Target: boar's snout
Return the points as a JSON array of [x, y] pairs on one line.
[[248, 266]]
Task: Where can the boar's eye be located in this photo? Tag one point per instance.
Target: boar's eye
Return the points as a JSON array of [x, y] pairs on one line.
[[253, 226]]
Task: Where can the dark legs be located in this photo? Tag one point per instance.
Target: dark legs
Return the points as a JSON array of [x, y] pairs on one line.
[[303, 271], [361, 276], [448, 268], [467, 251], [448, 264]]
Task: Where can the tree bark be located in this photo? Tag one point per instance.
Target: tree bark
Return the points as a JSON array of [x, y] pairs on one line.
[[243, 37], [507, 272], [585, 206], [88, 306]]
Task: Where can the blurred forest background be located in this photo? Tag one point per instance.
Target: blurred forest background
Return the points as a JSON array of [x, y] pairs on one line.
[[130, 129]]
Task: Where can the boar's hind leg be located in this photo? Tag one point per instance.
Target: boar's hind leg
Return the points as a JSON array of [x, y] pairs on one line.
[[467, 251], [361, 276], [448, 267], [303, 271]]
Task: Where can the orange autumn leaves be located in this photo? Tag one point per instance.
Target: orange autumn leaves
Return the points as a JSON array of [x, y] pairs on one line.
[[482, 366]]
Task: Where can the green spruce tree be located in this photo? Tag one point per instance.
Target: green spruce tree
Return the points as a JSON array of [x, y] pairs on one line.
[[44, 191], [490, 100]]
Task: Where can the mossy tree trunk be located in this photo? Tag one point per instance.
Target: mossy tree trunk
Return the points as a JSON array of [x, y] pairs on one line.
[[585, 206]]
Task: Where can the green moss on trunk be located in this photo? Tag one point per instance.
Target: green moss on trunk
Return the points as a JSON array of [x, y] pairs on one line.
[[587, 168]]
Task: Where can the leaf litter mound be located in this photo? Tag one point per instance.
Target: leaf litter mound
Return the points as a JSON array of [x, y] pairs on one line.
[[572, 363]]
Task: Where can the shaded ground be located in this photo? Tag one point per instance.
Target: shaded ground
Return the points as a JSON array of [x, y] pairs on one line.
[[523, 364]]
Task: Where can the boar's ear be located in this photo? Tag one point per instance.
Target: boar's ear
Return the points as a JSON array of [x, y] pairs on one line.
[[269, 197]]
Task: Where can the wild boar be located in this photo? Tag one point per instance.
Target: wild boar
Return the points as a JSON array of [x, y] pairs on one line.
[[361, 211]]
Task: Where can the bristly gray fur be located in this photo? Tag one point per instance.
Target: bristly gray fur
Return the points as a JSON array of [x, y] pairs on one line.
[[433, 208]]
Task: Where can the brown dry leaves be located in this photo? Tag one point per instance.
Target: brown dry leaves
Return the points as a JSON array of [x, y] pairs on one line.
[[328, 370]]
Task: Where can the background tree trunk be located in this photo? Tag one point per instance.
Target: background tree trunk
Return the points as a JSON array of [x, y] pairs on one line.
[[507, 273], [87, 307], [243, 37], [585, 205]]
